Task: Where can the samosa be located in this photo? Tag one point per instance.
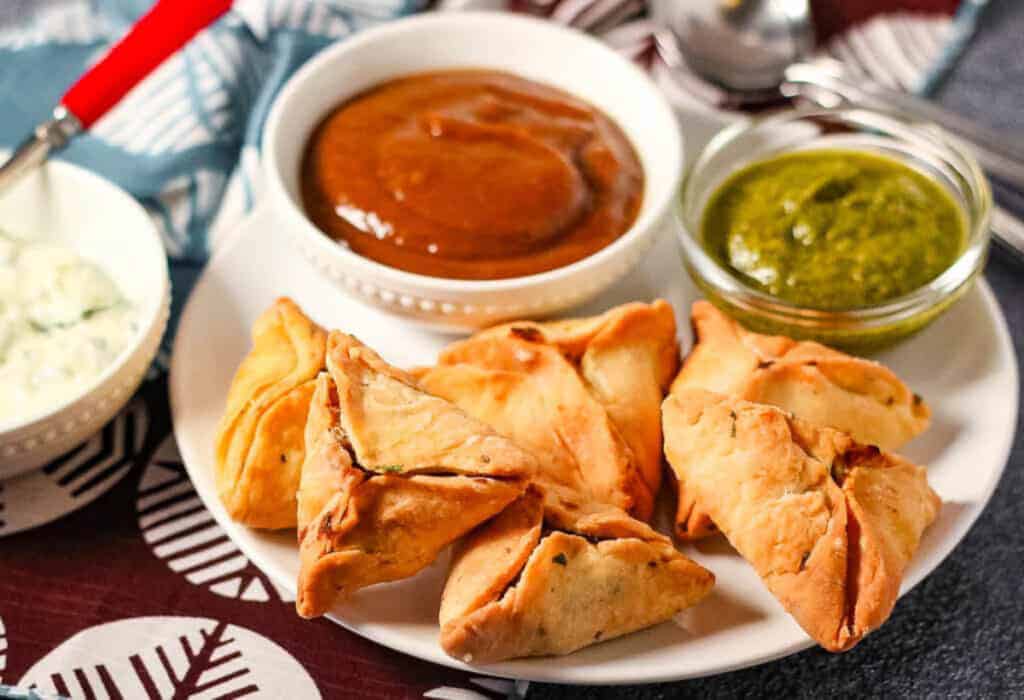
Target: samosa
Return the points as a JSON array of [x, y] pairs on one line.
[[816, 383], [583, 395], [550, 576], [829, 524], [393, 476], [260, 445]]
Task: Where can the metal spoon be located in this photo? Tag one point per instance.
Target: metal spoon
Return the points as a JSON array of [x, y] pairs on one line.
[[759, 47]]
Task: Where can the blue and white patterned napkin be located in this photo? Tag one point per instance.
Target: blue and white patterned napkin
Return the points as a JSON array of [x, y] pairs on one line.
[[184, 142]]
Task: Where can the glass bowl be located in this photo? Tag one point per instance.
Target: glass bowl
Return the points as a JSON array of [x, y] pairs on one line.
[[922, 146]]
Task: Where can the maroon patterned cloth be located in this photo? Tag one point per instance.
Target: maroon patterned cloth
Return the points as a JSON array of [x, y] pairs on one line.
[[132, 590], [115, 581], [832, 17]]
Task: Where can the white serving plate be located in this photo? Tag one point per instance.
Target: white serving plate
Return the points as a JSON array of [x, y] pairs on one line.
[[964, 365]]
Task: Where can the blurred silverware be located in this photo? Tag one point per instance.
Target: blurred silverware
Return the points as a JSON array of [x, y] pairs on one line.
[[758, 48]]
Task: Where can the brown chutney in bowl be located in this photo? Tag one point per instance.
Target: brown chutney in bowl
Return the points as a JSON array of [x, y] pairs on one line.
[[470, 174]]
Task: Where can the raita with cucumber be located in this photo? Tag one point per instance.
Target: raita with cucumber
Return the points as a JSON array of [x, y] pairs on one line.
[[833, 229], [63, 321]]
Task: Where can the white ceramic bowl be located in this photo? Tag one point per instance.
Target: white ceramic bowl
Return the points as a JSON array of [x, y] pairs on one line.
[[534, 49], [66, 204]]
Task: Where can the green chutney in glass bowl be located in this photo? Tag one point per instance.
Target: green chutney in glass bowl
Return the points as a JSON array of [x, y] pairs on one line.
[[852, 227]]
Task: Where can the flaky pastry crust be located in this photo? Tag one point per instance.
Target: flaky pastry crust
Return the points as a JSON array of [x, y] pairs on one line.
[[829, 524], [816, 383], [582, 394], [394, 476], [536, 581], [260, 444]]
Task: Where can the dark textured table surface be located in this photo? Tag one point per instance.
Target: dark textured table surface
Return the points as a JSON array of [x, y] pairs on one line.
[[960, 633]]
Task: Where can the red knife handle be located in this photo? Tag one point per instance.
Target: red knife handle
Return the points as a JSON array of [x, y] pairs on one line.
[[168, 26]]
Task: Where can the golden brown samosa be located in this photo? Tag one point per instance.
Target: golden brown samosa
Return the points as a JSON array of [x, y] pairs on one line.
[[328, 463], [816, 383], [539, 580], [393, 475], [829, 524], [531, 394], [583, 395], [260, 442]]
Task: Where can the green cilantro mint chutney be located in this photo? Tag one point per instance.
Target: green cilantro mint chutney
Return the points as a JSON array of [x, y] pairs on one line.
[[833, 229]]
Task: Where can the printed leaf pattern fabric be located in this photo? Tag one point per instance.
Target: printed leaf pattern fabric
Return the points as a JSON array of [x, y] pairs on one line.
[[184, 535], [3, 649], [76, 478], [165, 657], [148, 545]]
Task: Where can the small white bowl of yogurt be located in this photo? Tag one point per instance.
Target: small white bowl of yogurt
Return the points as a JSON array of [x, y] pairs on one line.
[[84, 299]]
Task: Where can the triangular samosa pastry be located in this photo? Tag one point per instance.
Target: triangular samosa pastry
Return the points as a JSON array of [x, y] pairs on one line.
[[814, 382], [327, 469], [818, 383], [538, 581], [393, 475], [530, 393], [829, 524], [584, 395], [260, 445]]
